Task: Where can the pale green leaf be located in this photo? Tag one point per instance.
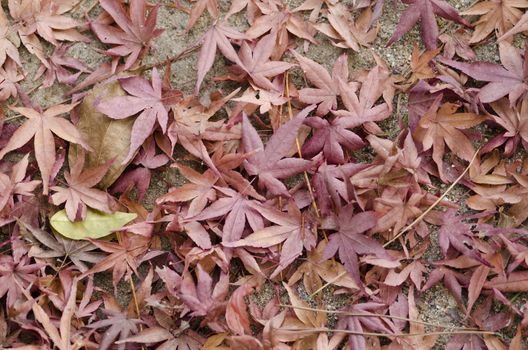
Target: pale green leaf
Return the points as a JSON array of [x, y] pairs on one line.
[[96, 225]]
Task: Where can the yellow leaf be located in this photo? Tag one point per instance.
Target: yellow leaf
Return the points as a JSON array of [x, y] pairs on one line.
[[96, 225]]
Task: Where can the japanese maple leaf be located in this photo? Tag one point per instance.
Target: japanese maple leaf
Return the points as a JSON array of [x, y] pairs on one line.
[[9, 78], [144, 98], [327, 88], [315, 269], [16, 273], [268, 163], [360, 323], [441, 126], [498, 16], [79, 192], [56, 246], [347, 32], [46, 19], [119, 325], [137, 27], [256, 62], [277, 17], [425, 11], [398, 207], [294, 229], [198, 9], [515, 126], [201, 297], [350, 240], [42, 126], [265, 100], [507, 79], [16, 183], [216, 37], [330, 183], [362, 110], [58, 68], [124, 256], [236, 210], [451, 279], [7, 48], [199, 191], [331, 138], [456, 235]]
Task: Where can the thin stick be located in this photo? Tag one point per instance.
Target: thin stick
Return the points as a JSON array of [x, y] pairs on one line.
[[136, 305], [306, 178], [360, 314], [388, 335], [335, 279], [419, 218]]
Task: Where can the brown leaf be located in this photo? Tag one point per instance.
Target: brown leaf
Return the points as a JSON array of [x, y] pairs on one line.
[[108, 138]]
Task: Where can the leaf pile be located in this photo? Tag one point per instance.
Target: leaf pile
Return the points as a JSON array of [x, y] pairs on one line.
[[289, 182]]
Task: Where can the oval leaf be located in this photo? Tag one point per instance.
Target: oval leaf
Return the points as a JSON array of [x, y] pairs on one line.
[[96, 225], [108, 138]]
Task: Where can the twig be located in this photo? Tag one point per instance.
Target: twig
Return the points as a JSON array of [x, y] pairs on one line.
[[388, 335], [419, 218], [335, 279], [361, 314], [306, 178]]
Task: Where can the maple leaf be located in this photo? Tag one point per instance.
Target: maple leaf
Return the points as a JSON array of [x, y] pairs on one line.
[[79, 192], [325, 95], [330, 183], [508, 79], [268, 163], [332, 138], [16, 274], [440, 126], [58, 246], [9, 78], [421, 64], [499, 16], [514, 125], [350, 240], [276, 17], [236, 210], [216, 37], [359, 323], [452, 280], [201, 298], [200, 191], [456, 234], [45, 18], [119, 324], [361, 110], [425, 11], [457, 43], [256, 62], [347, 32], [266, 99], [7, 48], [397, 207], [16, 184], [42, 126], [198, 8], [294, 229], [64, 336], [124, 256], [137, 28], [57, 68], [143, 97], [315, 269]]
